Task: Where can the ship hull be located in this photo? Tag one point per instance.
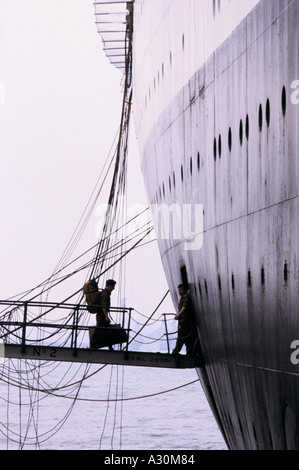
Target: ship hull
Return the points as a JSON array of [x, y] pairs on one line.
[[228, 140]]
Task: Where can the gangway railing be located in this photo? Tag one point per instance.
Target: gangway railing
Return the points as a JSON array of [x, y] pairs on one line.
[[74, 326], [167, 333], [26, 347]]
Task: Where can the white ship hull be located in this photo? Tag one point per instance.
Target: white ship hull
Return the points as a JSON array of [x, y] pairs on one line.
[[217, 119]]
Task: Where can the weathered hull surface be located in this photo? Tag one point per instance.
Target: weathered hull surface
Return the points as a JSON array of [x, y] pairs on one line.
[[228, 139]]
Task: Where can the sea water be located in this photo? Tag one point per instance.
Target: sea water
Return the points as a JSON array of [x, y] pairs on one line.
[[58, 406]]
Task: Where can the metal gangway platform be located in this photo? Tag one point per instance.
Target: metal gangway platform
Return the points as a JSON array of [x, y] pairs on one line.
[[18, 340]]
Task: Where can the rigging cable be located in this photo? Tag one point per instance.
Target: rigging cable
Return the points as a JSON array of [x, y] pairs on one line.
[[104, 249]]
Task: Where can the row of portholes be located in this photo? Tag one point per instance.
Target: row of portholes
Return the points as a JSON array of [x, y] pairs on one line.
[[162, 74], [172, 180], [241, 130], [157, 80], [249, 280], [170, 53], [217, 147]]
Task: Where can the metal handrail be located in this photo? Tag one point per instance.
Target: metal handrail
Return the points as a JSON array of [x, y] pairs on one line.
[[74, 326], [20, 303]]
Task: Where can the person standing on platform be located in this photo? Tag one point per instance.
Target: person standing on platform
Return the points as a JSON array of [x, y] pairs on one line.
[[103, 318], [187, 333]]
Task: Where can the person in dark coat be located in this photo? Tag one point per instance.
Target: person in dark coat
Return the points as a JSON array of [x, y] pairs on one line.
[[103, 318], [187, 333]]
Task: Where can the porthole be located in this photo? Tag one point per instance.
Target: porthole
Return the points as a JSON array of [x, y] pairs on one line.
[[233, 282], [183, 41], [263, 276], [191, 166], [270, 438], [249, 278], [219, 283], [198, 160], [241, 132], [285, 273], [219, 146], [230, 139], [182, 173], [206, 287], [169, 184], [260, 117], [283, 101], [173, 177]]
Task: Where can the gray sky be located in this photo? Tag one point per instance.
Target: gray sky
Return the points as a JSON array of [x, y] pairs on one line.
[[59, 119]]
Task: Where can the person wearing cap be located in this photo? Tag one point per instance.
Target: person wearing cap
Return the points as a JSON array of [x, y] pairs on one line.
[[185, 317]]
